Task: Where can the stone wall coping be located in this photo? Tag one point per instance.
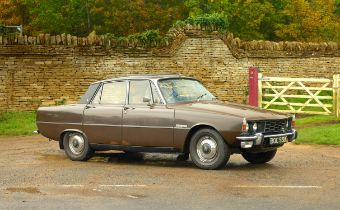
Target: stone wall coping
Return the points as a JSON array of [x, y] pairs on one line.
[[103, 45]]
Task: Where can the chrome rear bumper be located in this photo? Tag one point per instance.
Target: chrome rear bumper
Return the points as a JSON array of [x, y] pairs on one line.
[[257, 139]]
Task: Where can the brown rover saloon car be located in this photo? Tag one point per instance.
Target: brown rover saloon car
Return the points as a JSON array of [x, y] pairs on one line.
[[164, 113]]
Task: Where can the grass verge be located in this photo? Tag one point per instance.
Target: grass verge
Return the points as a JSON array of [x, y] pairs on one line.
[[319, 130], [17, 123]]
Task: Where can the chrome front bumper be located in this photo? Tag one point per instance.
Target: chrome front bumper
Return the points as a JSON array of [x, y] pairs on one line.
[[258, 139]]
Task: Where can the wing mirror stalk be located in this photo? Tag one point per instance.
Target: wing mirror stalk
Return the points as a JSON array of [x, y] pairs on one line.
[[149, 101], [89, 106]]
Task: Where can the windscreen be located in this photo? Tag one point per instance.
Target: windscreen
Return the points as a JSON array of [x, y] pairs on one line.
[[184, 90]]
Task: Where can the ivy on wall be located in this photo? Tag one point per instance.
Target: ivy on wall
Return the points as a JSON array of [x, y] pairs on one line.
[[209, 22]]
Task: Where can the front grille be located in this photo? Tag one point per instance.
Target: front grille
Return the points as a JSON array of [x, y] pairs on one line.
[[275, 126]]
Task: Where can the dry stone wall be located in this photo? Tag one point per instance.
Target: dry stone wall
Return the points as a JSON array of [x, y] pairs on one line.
[[48, 70]]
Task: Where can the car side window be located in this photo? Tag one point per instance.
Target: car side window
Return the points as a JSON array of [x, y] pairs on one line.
[[113, 93], [139, 91], [155, 94], [85, 99]]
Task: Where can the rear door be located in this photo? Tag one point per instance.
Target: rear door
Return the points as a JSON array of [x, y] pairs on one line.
[[146, 123], [102, 122]]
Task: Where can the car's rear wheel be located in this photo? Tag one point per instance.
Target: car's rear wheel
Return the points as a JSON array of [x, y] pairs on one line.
[[208, 149], [259, 158], [77, 147]]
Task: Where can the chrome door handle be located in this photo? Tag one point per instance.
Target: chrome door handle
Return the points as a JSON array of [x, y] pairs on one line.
[[126, 108]]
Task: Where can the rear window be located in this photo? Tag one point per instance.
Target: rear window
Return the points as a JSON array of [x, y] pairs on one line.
[[86, 98]]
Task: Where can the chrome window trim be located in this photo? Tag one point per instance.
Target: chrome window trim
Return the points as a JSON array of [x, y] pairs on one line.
[[127, 94], [99, 89], [155, 82]]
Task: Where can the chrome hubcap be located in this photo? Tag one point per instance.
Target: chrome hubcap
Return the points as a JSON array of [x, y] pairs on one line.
[[76, 144], [207, 149]]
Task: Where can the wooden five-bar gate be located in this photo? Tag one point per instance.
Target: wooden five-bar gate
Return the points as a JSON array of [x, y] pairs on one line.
[[296, 95]]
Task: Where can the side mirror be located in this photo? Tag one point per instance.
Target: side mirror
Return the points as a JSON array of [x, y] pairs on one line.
[[147, 100]]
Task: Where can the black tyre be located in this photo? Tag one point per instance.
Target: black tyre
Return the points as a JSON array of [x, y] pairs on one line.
[[130, 153], [183, 157], [208, 149], [259, 158], [77, 147]]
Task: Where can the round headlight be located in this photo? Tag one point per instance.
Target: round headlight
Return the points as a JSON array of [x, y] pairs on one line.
[[255, 127], [245, 125]]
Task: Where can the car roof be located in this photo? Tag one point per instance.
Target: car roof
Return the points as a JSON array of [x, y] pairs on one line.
[[144, 76]]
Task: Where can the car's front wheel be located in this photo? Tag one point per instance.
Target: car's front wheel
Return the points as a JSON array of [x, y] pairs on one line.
[[260, 157], [77, 147], [208, 149]]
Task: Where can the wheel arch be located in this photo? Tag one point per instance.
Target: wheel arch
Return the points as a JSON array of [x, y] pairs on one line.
[[62, 135], [192, 131]]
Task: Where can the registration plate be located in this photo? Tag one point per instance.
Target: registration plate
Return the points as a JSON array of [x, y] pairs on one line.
[[278, 140]]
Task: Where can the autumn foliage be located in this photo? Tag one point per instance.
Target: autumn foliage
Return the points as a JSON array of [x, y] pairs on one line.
[[301, 20]]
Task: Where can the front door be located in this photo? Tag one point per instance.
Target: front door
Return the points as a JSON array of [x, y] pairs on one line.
[[103, 116], [146, 121]]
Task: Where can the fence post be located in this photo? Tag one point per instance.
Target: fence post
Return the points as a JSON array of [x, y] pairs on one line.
[[336, 94], [259, 97], [253, 86]]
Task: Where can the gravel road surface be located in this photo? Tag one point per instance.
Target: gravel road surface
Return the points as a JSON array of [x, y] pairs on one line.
[[35, 174]]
